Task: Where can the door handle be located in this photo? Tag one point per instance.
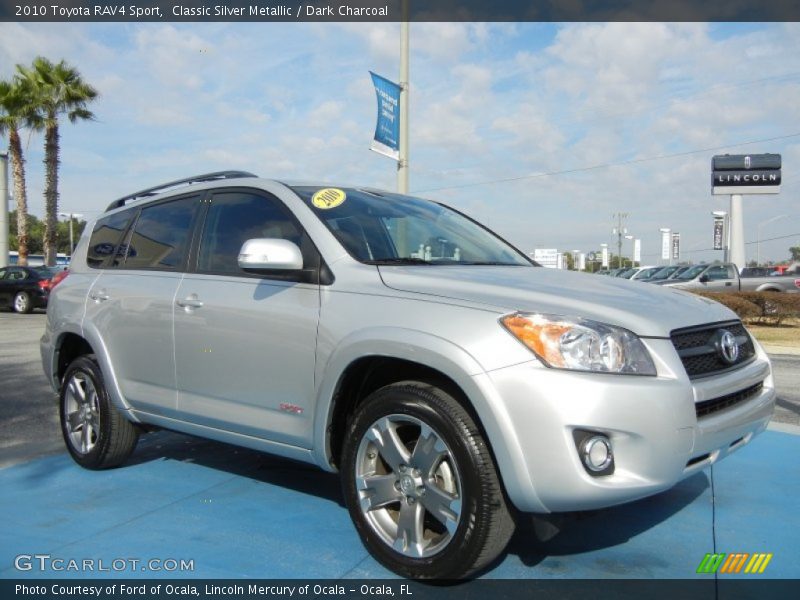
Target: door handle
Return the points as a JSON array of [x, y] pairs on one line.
[[189, 302], [99, 296], [728, 284]]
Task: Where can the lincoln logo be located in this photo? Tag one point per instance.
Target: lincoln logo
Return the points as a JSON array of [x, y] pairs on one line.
[[727, 347]]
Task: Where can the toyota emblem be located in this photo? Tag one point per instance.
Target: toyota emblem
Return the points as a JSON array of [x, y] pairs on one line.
[[727, 347]]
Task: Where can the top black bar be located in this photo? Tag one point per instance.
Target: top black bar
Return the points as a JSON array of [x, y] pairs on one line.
[[391, 10], [741, 162]]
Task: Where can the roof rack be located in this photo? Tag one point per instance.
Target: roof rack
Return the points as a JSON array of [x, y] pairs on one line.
[[188, 181]]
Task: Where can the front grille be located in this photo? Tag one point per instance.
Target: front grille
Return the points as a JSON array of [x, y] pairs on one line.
[[697, 348], [709, 407]]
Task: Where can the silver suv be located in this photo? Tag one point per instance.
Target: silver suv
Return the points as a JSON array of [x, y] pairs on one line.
[[453, 382]]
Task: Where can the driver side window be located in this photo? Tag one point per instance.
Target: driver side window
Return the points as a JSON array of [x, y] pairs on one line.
[[235, 217]]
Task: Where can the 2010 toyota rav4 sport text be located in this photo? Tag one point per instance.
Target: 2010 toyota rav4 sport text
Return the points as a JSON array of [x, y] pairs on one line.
[[451, 381]]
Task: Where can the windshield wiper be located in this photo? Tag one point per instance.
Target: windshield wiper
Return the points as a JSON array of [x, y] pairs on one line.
[[397, 261]]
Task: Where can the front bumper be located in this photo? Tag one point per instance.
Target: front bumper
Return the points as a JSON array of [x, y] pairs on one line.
[[652, 423]]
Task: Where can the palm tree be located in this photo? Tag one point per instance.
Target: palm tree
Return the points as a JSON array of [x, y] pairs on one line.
[[16, 112], [59, 90]]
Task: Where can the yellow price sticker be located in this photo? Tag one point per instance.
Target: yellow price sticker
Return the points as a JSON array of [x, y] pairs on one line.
[[328, 198]]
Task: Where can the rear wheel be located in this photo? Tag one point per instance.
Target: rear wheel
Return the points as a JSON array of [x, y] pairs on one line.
[[23, 302], [421, 485], [97, 435]]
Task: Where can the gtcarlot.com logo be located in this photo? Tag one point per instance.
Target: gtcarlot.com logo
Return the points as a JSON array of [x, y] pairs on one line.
[[737, 562], [47, 562]]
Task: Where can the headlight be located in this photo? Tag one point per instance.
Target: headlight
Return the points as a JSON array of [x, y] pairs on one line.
[[580, 344]]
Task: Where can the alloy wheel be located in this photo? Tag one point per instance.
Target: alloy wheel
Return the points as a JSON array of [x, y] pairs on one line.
[[408, 485]]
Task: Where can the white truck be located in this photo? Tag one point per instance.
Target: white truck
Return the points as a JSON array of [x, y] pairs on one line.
[[725, 278]]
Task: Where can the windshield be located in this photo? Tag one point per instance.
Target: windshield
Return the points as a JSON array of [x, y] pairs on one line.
[[647, 274], [663, 273], [384, 229], [691, 272]]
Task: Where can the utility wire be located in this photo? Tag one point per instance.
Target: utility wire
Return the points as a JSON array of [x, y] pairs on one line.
[[782, 237], [605, 165]]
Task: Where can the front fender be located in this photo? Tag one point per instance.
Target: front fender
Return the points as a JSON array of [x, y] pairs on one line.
[[434, 352]]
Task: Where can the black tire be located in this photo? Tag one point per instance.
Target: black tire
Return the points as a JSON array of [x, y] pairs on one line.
[[23, 303], [465, 475], [96, 434]]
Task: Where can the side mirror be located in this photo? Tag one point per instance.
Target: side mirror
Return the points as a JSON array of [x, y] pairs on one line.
[[703, 279], [270, 255]]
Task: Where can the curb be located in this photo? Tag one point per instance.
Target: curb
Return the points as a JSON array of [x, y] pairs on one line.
[[775, 349], [784, 427]]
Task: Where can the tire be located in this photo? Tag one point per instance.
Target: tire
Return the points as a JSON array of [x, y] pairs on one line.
[[23, 303], [421, 485], [96, 434]]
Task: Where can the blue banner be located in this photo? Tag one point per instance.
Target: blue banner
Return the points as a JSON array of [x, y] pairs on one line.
[[387, 129]]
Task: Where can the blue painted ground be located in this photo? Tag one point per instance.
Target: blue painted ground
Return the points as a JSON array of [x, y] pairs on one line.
[[238, 513]]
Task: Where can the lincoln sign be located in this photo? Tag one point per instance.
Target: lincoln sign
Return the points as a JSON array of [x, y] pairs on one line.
[[746, 174]]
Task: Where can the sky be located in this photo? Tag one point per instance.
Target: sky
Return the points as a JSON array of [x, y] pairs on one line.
[[542, 131]]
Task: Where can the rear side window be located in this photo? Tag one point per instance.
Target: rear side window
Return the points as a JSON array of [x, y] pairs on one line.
[[106, 237], [160, 237]]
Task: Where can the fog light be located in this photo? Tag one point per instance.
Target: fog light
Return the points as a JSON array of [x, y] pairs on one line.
[[596, 453]]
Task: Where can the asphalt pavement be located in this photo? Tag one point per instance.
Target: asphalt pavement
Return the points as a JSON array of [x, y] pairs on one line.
[[28, 408]]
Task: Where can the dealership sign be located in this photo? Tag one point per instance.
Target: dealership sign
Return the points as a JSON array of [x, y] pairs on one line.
[[665, 240], [719, 228], [746, 174]]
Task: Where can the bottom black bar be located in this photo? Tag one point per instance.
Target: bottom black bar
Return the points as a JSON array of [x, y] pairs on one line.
[[354, 589]]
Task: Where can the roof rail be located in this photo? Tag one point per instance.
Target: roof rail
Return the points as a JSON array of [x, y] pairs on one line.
[[188, 181]]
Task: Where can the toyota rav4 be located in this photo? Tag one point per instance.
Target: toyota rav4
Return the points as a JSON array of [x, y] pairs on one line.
[[452, 382]]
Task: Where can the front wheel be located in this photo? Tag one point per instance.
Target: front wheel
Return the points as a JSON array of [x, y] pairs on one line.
[[97, 435], [421, 485]]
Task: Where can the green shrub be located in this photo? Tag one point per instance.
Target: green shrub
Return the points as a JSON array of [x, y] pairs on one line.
[[763, 308]]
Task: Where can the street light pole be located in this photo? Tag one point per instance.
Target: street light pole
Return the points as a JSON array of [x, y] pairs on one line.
[[758, 236], [402, 163], [71, 217], [619, 231]]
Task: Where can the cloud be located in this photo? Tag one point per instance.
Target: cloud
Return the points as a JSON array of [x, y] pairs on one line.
[[488, 101]]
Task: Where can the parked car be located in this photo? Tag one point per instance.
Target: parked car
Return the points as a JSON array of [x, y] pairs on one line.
[[25, 288], [725, 277], [454, 384], [666, 273], [791, 269], [644, 273]]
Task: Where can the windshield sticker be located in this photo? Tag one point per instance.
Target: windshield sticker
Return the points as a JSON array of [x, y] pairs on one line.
[[328, 198]]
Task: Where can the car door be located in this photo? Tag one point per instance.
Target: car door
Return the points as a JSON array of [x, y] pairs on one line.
[[14, 280], [130, 304], [245, 343], [5, 287]]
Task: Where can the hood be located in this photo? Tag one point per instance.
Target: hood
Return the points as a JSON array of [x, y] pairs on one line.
[[647, 310]]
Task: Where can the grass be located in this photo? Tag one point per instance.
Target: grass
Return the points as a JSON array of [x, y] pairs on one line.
[[786, 334]]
